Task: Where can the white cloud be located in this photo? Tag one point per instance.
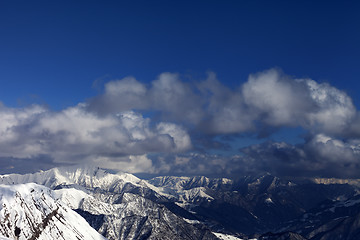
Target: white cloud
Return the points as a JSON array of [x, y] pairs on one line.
[[180, 137], [121, 95], [278, 99], [175, 99], [270, 98], [130, 164], [75, 135], [333, 111], [334, 150], [167, 94], [320, 156], [284, 101], [225, 110], [12, 118]]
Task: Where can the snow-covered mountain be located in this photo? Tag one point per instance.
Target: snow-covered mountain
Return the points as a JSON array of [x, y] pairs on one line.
[[90, 177], [119, 206], [122, 206], [30, 211]]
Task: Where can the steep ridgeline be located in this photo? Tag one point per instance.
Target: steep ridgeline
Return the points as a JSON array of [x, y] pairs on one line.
[[88, 177], [30, 211]]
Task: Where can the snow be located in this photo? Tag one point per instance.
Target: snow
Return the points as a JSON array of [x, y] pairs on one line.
[[223, 236], [192, 221], [92, 177], [34, 209], [188, 189], [326, 181], [71, 197], [4, 238]]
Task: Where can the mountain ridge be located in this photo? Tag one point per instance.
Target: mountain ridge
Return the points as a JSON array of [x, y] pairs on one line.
[[190, 207]]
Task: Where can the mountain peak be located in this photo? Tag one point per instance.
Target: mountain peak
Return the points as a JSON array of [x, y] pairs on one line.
[[89, 176], [29, 211]]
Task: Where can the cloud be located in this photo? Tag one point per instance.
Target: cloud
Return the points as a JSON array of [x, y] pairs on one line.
[[277, 99], [208, 105], [191, 164], [225, 109], [75, 135], [325, 148], [121, 95], [179, 137], [130, 164], [320, 156], [268, 99], [334, 108], [283, 101], [174, 99]]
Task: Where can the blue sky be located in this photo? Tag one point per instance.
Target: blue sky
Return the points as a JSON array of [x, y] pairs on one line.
[[57, 54]]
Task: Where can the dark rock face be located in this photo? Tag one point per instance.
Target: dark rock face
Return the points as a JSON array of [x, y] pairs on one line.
[[95, 221]]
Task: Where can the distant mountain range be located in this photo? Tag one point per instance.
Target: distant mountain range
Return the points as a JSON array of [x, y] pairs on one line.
[[91, 203]]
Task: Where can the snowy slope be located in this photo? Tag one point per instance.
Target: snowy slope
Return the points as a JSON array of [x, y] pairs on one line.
[[119, 206], [4, 238], [134, 218], [31, 212], [180, 189], [190, 189], [227, 237], [88, 177]]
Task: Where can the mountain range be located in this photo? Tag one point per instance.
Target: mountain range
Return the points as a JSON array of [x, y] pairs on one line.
[[92, 203]]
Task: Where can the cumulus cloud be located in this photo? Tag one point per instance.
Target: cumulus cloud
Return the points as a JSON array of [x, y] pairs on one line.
[[269, 98], [170, 96], [193, 164], [320, 156], [207, 105], [121, 95], [130, 164], [175, 99], [283, 101], [225, 109], [334, 108], [75, 135], [328, 149], [277, 99]]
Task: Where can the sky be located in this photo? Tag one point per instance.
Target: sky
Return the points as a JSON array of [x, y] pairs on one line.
[[215, 88]]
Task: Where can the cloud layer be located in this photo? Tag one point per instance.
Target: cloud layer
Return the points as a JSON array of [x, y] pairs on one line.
[[270, 98], [77, 136], [138, 127]]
